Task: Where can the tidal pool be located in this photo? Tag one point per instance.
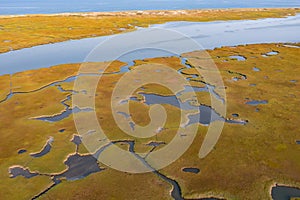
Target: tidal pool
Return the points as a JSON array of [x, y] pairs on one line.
[[155, 144], [256, 69], [191, 170], [235, 115], [15, 171], [272, 53], [61, 130], [45, 150], [239, 58], [21, 151], [284, 192], [256, 102]]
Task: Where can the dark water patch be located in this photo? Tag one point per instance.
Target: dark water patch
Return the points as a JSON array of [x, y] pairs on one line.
[[208, 115], [127, 100], [79, 166], [205, 116], [191, 170], [124, 114], [155, 144], [257, 109], [15, 171], [76, 139], [208, 88], [240, 122], [132, 125], [257, 102], [65, 114], [189, 88], [151, 99], [252, 85], [298, 142], [211, 90], [238, 58], [61, 130], [125, 68], [21, 151], [293, 81], [284, 192], [235, 115], [45, 150], [255, 69], [241, 76], [61, 89]]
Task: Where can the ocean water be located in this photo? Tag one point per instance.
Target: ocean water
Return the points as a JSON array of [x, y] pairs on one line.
[[17, 7]]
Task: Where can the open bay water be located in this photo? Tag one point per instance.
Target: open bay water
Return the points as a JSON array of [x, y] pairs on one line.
[[18, 7]]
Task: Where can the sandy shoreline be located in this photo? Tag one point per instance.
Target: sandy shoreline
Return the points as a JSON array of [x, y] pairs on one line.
[[153, 12]]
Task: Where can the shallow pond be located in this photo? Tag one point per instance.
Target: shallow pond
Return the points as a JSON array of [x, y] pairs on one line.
[[21, 151], [256, 102], [45, 150], [239, 58], [255, 69], [205, 116], [15, 171], [191, 170], [284, 192], [272, 53]]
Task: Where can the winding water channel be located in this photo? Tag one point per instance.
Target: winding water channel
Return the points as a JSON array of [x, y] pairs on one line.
[[208, 35]]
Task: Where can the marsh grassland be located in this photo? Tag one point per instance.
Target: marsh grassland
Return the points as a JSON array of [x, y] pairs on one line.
[[262, 87], [245, 163]]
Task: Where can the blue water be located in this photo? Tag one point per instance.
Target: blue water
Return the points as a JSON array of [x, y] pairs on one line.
[[256, 102], [151, 41], [8, 7], [284, 192], [191, 170]]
